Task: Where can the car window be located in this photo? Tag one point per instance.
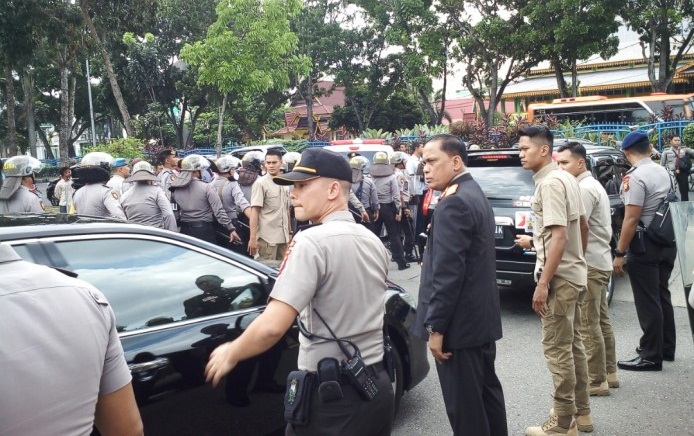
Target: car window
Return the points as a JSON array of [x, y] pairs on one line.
[[152, 283], [608, 173], [503, 178]]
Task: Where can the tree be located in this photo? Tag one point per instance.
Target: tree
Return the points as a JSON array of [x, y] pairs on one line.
[[248, 49], [492, 45], [564, 31], [664, 27]]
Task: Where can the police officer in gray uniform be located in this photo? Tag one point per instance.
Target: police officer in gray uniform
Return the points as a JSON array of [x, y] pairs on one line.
[[364, 188], [649, 265], [678, 161], [18, 193], [144, 202], [198, 202], [50, 323], [320, 262], [95, 198], [390, 214], [228, 188], [251, 169], [168, 159]]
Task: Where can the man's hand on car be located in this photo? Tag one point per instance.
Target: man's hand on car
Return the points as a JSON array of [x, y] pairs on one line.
[[524, 241]]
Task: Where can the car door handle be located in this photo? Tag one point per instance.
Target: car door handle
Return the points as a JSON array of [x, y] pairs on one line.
[[150, 365]]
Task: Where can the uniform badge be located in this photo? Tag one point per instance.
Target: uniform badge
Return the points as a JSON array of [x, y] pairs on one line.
[[114, 194], [625, 184], [451, 190], [286, 256], [43, 206]]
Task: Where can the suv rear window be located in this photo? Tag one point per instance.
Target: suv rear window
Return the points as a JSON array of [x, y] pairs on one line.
[[501, 177]]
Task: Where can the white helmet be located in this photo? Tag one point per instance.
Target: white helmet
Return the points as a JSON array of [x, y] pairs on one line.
[[143, 166], [97, 159], [227, 163], [398, 157], [290, 159], [21, 166], [194, 162]]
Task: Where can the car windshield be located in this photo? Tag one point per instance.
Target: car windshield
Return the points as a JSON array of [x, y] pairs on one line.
[[498, 180]]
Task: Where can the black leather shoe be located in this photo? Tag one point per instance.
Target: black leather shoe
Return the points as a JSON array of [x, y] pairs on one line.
[[411, 258], [666, 357], [403, 266], [640, 364]]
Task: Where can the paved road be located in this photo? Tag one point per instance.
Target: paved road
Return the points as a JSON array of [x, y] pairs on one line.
[[658, 403]]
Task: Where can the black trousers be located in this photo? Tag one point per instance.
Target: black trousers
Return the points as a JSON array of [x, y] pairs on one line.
[[387, 216], [649, 274], [682, 179], [199, 229], [472, 392], [350, 415]]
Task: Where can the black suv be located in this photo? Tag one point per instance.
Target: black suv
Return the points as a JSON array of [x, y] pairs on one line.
[[510, 190]]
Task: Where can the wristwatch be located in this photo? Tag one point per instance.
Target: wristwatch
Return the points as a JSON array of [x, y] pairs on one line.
[[430, 328], [618, 253]]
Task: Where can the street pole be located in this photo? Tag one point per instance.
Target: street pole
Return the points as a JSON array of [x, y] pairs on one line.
[[91, 106]]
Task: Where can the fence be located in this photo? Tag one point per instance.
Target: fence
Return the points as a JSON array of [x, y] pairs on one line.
[[612, 133]]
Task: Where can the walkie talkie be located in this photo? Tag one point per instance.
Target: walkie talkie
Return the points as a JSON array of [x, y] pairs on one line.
[[355, 369]]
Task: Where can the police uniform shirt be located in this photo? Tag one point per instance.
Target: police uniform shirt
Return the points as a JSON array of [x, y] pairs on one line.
[[369, 197], [118, 184], [98, 200], [64, 192], [60, 350], [387, 190], [669, 156], [199, 202], [147, 205], [166, 176], [597, 206], [338, 268], [273, 217], [558, 203], [233, 200], [24, 200], [645, 185], [403, 184]]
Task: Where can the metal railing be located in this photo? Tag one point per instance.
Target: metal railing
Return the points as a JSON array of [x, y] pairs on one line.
[[611, 134]]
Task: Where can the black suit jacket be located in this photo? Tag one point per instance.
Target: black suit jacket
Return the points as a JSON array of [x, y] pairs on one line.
[[457, 293]]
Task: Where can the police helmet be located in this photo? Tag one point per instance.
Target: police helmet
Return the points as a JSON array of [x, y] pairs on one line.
[[381, 157], [290, 159], [97, 159], [21, 166], [93, 168], [143, 166], [253, 160], [194, 162], [359, 162], [227, 163], [398, 157]]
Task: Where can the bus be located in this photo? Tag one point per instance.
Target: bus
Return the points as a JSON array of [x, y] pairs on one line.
[[624, 110]]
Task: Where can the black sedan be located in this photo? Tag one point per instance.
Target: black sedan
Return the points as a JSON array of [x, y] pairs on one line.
[[176, 298]]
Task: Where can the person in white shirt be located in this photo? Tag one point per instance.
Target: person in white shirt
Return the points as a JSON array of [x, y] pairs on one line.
[[120, 171], [64, 190]]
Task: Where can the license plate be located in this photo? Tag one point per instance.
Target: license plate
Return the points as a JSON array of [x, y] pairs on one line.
[[499, 232], [503, 282]]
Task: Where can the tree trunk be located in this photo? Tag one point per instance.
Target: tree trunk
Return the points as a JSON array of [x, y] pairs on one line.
[[71, 116], [308, 98], [46, 144], [12, 144], [28, 87], [559, 74], [65, 122], [492, 98], [427, 106], [574, 79], [442, 111], [220, 126], [112, 78]]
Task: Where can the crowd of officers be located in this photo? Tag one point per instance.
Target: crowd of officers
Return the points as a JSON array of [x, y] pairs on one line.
[[229, 201]]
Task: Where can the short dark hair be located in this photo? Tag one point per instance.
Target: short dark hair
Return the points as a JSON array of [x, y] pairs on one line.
[[62, 171], [274, 152], [574, 148], [164, 154], [643, 147], [538, 131], [451, 145]]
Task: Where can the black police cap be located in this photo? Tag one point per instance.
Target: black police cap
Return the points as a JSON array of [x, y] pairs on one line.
[[314, 163]]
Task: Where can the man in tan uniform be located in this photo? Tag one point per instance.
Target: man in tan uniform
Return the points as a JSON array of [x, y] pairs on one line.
[[269, 221], [561, 273]]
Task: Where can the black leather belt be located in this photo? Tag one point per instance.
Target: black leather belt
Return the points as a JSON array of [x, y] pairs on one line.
[[196, 224]]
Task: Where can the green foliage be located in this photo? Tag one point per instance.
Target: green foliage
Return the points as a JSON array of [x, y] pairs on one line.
[[688, 135], [375, 134], [129, 148]]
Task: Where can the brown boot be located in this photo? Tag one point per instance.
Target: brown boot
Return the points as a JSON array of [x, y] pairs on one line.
[[600, 391], [612, 380], [584, 423], [551, 427]]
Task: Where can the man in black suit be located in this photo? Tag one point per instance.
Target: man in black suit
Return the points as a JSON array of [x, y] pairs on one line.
[[458, 312]]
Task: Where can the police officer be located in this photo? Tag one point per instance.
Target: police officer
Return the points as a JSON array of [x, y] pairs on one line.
[[390, 214], [678, 161], [145, 203], [168, 159], [364, 188], [18, 193], [649, 265], [321, 261], [120, 172], [198, 202], [251, 169], [233, 200], [289, 160], [94, 197], [407, 225]]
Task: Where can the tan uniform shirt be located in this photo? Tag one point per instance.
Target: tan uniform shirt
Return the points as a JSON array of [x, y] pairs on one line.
[[338, 268], [597, 205], [558, 203], [273, 218]]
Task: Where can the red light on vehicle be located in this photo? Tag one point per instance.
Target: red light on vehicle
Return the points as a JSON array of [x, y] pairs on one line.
[[354, 147], [494, 156]]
